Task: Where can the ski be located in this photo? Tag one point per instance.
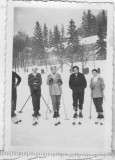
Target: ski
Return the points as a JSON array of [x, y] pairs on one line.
[[99, 121], [35, 121], [16, 120], [58, 123]]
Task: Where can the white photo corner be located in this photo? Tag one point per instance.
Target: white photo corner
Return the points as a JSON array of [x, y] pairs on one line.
[[59, 77]]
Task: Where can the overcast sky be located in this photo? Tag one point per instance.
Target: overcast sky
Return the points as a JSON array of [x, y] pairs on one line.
[[25, 18]]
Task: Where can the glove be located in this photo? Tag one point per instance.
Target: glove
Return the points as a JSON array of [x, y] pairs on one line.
[[92, 88], [34, 87], [59, 81], [15, 86], [102, 87], [51, 81]]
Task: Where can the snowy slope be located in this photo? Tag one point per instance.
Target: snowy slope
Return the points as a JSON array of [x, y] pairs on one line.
[[45, 133]]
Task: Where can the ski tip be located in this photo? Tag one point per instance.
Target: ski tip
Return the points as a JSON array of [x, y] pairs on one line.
[[101, 124], [34, 124], [79, 123], [20, 112]]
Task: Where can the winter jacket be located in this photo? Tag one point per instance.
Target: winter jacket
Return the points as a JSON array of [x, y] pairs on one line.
[[77, 83], [14, 77], [54, 82], [97, 87], [35, 82]]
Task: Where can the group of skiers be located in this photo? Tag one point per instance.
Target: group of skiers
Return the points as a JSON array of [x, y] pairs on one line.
[[77, 83]]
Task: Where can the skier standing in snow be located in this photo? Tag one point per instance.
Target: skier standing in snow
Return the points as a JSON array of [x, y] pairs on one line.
[[34, 82], [97, 86], [77, 83], [16, 79], [54, 81]]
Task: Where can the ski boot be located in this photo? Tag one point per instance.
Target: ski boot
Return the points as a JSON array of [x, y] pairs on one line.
[[58, 113], [80, 115], [55, 115], [14, 119], [57, 119], [75, 115], [35, 121], [101, 119], [38, 114]]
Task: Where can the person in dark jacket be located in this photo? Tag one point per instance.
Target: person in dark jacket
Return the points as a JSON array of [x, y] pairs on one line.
[[34, 82], [16, 79], [77, 83]]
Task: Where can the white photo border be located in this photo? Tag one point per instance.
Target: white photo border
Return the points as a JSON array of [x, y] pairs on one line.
[[109, 79]]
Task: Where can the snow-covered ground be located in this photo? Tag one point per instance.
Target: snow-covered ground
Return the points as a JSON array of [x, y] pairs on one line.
[[45, 133]]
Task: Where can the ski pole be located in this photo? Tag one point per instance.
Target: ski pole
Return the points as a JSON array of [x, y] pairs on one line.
[[64, 108], [47, 108], [46, 103], [24, 104], [90, 109]]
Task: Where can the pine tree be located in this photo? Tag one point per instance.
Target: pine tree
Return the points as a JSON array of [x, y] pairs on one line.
[[50, 39], [56, 36], [20, 48], [45, 36], [73, 40], [84, 26], [89, 21], [102, 20], [101, 43], [93, 26], [104, 23], [38, 42], [62, 33], [89, 24]]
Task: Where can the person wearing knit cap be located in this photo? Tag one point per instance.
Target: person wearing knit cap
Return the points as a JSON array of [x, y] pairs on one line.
[[54, 81], [35, 82], [97, 86]]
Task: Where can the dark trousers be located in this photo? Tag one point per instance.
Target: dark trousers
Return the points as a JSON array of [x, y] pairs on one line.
[[98, 104], [56, 102], [14, 99], [78, 96], [36, 101]]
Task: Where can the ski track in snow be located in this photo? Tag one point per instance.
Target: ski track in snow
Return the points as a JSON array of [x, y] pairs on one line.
[[45, 133]]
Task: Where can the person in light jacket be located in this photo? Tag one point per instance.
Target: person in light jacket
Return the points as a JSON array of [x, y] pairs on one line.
[[54, 81], [97, 86]]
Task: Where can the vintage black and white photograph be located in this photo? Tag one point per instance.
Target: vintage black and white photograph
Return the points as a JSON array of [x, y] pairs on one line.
[[60, 77]]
